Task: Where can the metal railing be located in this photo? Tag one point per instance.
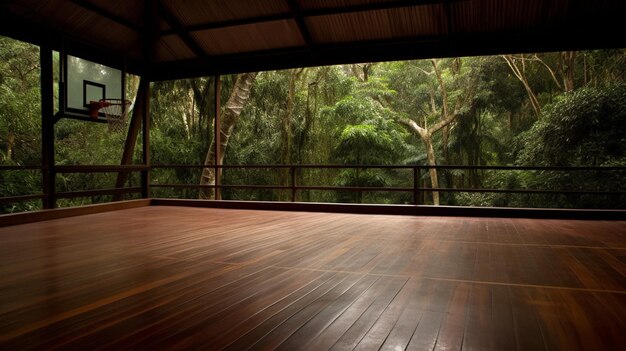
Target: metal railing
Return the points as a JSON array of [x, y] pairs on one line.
[[415, 189], [74, 169]]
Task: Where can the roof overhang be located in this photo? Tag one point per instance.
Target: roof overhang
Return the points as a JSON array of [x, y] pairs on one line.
[[169, 39]]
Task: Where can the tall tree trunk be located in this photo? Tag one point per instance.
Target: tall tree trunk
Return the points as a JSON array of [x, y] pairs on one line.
[[569, 62], [448, 114], [236, 102], [286, 130], [520, 73], [430, 153], [585, 72], [10, 146], [203, 98], [426, 136]]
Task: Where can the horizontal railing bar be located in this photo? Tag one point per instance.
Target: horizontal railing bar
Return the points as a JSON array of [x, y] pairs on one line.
[[96, 192], [219, 186], [21, 168], [100, 168], [512, 168], [529, 168], [117, 168], [284, 187], [246, 186], [20, 198], [394, 189], [523, 191], [220, 166], [353, 188], [181, 186]]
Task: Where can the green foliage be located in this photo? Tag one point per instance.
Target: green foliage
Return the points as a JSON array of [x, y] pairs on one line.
[[20, 108], [350, 114], [584, 128], [20, 122]]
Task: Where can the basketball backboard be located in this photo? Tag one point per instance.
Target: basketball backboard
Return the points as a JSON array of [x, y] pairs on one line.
[[86, 81]]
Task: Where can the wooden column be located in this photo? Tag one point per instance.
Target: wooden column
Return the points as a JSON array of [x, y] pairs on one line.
[[47, 127], [150, 27], [145, 151], [217, 128], [416, 183]]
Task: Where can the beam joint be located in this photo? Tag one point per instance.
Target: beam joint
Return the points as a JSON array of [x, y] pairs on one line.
[[107, 14], [183, 34]]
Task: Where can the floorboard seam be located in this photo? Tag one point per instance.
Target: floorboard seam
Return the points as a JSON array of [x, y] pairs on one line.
[[621, 292]]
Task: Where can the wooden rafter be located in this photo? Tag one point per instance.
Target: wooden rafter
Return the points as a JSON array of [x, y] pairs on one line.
[[228, 23], [448, 11], [107, 14], [184, 35], [304, 14], [296, 12]]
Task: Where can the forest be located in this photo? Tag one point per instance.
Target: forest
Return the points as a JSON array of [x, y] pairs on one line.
[[556, 109]]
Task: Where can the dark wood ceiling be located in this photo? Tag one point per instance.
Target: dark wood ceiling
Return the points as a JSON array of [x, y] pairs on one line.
[[168, 39]]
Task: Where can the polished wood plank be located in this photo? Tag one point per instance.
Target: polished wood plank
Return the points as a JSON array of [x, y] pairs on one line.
[[159, 277]]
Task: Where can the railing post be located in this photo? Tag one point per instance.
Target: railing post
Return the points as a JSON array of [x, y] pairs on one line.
[[148, 49], [47, 128], [217, 130], [145, 134], [292, 171], [416, 178]]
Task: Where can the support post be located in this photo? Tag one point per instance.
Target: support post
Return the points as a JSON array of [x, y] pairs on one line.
[[148, 50], [217, 130], [292, 171], [131, 138], [416, 178], [47, 127], [145, 151]]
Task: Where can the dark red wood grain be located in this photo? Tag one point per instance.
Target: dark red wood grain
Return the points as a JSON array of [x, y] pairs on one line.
[[159, 277]]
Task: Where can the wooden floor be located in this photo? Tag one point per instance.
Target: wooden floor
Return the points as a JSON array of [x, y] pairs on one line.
[[191, 278]]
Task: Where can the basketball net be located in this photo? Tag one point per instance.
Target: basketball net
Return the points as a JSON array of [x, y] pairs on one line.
[[115, 111]]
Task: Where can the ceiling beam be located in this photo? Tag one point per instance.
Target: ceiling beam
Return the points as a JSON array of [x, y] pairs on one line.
[[184, 35], [408, 48], [448, 11], [230, 23], [447, 6], [386, 5], [296, 12], [107, 14]]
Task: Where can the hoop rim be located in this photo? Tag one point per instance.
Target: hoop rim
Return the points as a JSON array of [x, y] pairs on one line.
[[115, 112], [114, 102], [96, 106]]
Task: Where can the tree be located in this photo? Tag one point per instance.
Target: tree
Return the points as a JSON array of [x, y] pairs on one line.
[[444, 107], [519, 70], [236, 102], [20, 118], [586, 127], [365, 133], [20, 122], [560, 67]]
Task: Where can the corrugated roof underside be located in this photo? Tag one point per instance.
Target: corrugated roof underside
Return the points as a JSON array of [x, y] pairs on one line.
[[193, 12], [196, 31], [250, 37], [130, 10], [82, 24], [426, 20], [171, 48], [494, 15], [326, 4]]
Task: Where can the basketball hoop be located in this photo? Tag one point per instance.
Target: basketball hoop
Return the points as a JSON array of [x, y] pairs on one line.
[[115, 111]]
